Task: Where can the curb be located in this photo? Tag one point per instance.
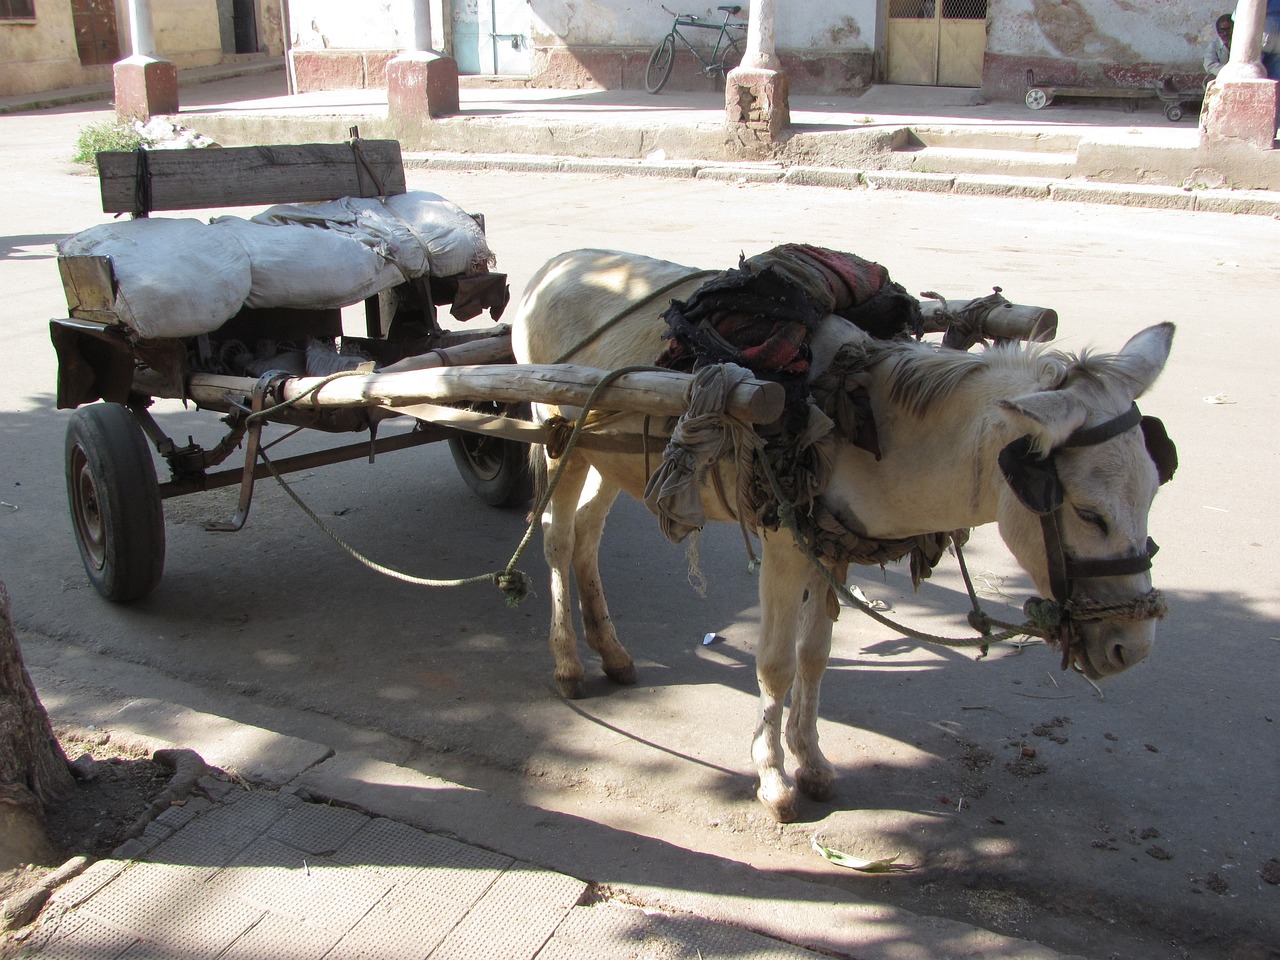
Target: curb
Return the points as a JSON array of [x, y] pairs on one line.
[[1255, 203]]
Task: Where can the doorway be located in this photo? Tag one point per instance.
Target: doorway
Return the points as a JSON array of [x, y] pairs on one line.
[[492, 37], [97, 38], [936, 42]]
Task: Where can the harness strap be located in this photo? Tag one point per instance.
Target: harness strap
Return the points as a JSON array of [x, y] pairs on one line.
[[1089, 436]]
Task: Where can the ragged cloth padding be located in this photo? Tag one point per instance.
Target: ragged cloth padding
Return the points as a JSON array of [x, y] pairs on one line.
[[760, 315]]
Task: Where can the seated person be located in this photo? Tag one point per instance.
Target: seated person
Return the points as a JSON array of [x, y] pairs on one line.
[[1215, 57]]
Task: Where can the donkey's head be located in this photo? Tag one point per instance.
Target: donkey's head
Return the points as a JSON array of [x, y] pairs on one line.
[[1081, 477]]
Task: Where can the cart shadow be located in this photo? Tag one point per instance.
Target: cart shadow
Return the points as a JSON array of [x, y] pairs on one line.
[[27, 246]]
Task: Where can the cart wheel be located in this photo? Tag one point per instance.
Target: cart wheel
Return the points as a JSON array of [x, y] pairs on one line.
[[1173, 112], [115, 501], [496, 470], [1037, 98]]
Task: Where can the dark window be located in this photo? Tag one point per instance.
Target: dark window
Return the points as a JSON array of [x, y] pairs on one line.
[[17, 9]]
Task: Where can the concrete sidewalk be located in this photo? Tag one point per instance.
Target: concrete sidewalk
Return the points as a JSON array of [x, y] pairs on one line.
[[934, 139], [300, 852]]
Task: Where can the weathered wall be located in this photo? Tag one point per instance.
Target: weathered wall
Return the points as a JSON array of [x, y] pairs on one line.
[[185, 31], [826, 45], [337, 46], [1113, 42], [42, 55]]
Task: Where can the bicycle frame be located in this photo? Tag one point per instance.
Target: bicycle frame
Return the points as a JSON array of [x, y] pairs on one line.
[[716, 62]]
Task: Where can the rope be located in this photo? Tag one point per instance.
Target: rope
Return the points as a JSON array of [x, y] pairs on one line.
[[371, 564], [510, 573]]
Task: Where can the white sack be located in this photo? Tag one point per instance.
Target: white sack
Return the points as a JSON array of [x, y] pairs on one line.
[[177, 278], [421, 231], [307, 267]]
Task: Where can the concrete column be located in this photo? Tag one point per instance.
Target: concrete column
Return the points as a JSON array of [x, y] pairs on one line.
[[145, 85], [760, 53], [421, 83], [756, 93], [1241, 104]]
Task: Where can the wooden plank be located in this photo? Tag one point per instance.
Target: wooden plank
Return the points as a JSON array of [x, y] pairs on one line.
[[1136, 93], [249, 176], [658, 393], [88, 283]]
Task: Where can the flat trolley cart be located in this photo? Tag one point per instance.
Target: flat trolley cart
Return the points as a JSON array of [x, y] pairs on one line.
[[1041, 94]]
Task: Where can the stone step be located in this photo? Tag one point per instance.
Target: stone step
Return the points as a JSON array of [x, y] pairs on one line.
[[1009, 163]]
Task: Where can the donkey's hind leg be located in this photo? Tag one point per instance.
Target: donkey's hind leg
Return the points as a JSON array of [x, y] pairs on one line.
[[593, 510], [558, 533], [815, 777]]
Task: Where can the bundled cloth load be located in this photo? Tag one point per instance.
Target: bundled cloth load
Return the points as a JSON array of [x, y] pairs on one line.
[[183, 277]]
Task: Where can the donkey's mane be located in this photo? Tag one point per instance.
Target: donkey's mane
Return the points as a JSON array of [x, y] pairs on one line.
[[922, 375]]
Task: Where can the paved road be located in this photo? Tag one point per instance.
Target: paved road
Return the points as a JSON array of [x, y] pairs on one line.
[[1145, 835]]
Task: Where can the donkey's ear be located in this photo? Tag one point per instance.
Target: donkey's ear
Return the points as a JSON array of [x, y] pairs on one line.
[[1047, 417], [1141, 359]]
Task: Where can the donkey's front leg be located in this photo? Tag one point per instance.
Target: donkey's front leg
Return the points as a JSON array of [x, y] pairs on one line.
[[785, 576], [815, 776]]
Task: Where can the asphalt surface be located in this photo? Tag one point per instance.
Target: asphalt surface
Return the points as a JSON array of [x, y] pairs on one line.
[[1185, 747]]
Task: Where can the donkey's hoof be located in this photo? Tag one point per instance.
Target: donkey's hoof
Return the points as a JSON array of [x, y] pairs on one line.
[[572, 688], [816, 784], [625, 674], [782, 806]]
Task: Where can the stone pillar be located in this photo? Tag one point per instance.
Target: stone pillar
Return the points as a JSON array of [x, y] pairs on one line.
[[421, 83], [1241, 104], [145, 85], [756, 93]]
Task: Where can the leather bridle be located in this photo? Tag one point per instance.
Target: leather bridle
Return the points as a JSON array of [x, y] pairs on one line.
[[1034, 480]]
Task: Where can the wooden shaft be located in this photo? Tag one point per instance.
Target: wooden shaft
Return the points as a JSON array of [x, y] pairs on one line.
[[658, 393], [1006, 321]]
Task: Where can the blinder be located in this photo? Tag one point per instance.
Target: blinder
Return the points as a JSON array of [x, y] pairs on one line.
[[1034, 481]]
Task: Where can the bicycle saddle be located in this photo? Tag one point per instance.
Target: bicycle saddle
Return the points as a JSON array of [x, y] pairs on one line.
[[732, 11]]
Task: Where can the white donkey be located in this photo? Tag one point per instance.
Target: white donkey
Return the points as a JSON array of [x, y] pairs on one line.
[[1046, 444]]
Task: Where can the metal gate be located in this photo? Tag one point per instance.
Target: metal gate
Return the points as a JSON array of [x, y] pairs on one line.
[[491, 36], [936, 42]]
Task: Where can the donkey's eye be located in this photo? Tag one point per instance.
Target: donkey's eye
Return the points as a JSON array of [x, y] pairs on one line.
[[1091, 518]]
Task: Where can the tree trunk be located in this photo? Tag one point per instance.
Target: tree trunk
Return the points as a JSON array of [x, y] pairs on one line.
[[33, 769]]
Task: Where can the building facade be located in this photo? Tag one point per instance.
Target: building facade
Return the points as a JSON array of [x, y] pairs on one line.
[[826, 46], [52, 44]]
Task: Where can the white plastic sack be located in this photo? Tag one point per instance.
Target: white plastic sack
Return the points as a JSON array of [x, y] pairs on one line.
[[421, 231], [176, 277], [307, 267]]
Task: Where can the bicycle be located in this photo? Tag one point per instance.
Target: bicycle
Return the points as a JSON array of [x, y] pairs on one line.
[[659, 69]]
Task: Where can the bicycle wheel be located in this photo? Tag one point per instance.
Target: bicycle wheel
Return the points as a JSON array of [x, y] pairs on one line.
[[659, 69]]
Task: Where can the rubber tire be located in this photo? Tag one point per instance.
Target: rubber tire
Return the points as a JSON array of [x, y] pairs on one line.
[[115, 502], [658, 72], [1037, 98], [495, 470], [1173, 112]]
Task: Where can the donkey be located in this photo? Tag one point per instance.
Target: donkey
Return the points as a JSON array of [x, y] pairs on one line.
[[1048, 445]]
